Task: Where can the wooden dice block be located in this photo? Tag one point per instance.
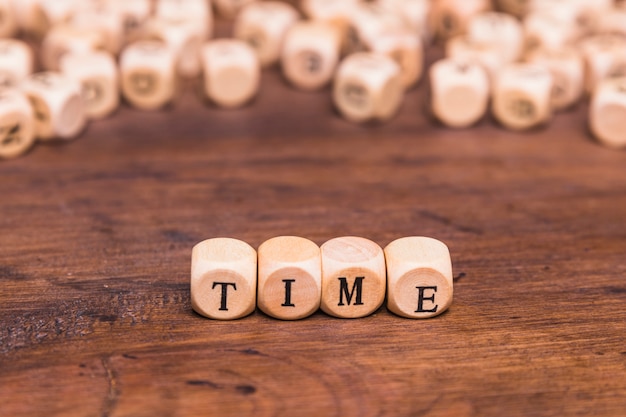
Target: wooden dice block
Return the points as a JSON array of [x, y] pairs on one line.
[[604, 57], [223, 278], [231, 72], [148, 74], [607, 113], [97, 73], [16, 62], [522, 95], [459, 92], [134, 14], [196, 14], [264, 25], [501, 30], [543, 31], [310, 54], [354, 277], [367, 87], [104, 20], [229, 8], [290, 277], [487, 55], [57, 104], [404, 47], [368, 21], [17, 124], [336, 13], [414, 12], [8, 20], [449, 18], [568, 74], [65, 38], [419, 277], [31, 18], [185, 41]]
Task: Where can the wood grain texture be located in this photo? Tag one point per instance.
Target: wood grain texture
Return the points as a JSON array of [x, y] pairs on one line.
[[95, 313]]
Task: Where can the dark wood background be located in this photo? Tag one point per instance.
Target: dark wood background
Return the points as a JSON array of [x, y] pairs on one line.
[[95, 247]]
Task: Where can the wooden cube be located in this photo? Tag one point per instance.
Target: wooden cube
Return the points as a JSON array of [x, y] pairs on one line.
[[16, 62], [367, 87], [612, 21], [134, 14], [487, 55], [568, 74], [97, 73], [459, 92], [185, 41], [8, 19], [405, 47], [229, 8], [106, 21], [414, 12], [543, 31], [57, 104], [31, 18], [336, 13], [231, 72], [264, 25], [368, 21], [148, 74], [354, 277], [607, 112], [419, 277], [290, 277], [449, 18], [605, 57], [17, 124], [310, 54], [223, 278], [62, 39], [522, 96], [195, 14], [500, 30]]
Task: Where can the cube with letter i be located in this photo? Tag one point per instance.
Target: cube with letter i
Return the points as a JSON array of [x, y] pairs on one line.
[[419, 277], [353, 277], [223, 278], [290, 277]]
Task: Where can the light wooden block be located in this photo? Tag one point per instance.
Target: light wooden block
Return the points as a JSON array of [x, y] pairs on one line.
[[522, 96], [459, 92], [106, 21], [191, 13], [543, 31], [231, 72], [310, 54], [134, 14], [487, 55], [607, 112], [404, 47], [517, 8], [223, 278], [16, 62], [419, 277], [290, 277], [612, 21], [63, 39], [229, 8], [449, 18], [336, 13], [414, 12], [368, 21], [148, 74], [17, 124], [31, 18], [97, 73], [500, 30], [568, 74], [57, 104], [354, 277], [8, 19], [367, 87], [604, 57], [184, 39], [264, 26]]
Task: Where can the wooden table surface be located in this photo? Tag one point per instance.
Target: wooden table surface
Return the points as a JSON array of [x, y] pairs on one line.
[[95, 249]]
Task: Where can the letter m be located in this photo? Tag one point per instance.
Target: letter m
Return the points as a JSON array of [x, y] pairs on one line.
[[349, 294]]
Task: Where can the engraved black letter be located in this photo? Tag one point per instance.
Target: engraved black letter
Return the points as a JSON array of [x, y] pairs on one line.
[[343, 290], [421, 298], [287, 302], [224, 292]]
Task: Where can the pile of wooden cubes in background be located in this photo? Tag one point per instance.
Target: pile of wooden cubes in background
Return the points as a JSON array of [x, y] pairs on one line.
[[520, 60]]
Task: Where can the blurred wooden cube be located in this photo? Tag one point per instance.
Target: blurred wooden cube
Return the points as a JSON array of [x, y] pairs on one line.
[[231, 72], [17, 124], [459, 92], [368, 87], [607, 112], [57, 103], [16, 62]]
